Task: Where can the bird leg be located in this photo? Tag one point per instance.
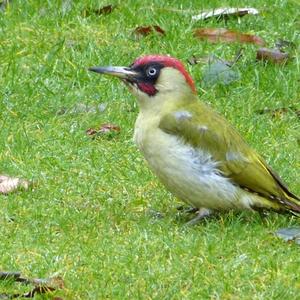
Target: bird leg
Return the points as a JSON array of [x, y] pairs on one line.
[[202, 213]]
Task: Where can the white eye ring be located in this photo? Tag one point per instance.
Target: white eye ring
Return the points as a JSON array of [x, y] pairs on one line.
[[151, 71]]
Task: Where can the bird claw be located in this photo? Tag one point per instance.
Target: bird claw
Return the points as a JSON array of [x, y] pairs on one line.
[[202, 214]]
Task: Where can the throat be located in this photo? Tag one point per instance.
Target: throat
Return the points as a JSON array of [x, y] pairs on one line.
[[147, 88]]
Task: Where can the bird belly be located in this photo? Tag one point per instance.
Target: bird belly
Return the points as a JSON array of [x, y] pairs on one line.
[[191, 175]]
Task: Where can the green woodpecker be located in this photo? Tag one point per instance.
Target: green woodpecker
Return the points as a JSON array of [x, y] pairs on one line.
[[195, 152]]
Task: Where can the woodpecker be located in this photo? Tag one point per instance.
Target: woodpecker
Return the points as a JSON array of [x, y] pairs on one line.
[[194, 151]]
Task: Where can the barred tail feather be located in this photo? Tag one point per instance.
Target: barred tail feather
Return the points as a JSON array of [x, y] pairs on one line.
[[292, 204]]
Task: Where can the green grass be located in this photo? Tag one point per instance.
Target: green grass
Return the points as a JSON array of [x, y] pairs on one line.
[[90, 215]]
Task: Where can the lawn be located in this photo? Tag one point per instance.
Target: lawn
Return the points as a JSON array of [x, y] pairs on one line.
[[95, 214]]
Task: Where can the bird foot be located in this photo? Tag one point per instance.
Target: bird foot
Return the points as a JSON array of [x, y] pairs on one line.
[[202, 214], [187, 209]]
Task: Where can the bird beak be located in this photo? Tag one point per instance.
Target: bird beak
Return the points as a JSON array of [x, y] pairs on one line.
[[121, 72]]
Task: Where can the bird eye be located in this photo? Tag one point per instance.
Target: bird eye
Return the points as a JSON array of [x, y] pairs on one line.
[[151, 71]]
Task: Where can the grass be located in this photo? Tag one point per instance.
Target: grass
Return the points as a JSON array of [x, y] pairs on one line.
[[91, 214]]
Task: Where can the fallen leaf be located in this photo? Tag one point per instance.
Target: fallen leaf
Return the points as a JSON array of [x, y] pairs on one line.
[[91, 131], [216, 35], [278, 112], [289, 234], [55, 282], [105, 10], [225, 13], [219, 72], [272, 55], [41, 286], [146, 30], [110, 129], [159, 29], [10, 184]]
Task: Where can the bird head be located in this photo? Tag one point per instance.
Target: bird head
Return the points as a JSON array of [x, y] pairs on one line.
[[153, 79]]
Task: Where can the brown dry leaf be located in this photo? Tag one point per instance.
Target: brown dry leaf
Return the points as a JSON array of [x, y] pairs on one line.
[[109, 127], [41, 286], [272, 55], [159, 29], [146, 30], [225, 13], [216, 35], [103, 129], [10, 184], [91, 131], [105, 10], [278, 112]]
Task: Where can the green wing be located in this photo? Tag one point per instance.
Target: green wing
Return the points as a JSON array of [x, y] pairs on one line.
[[202, 128]]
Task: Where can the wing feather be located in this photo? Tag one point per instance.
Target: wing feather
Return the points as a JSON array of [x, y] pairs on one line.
[[204, 129]]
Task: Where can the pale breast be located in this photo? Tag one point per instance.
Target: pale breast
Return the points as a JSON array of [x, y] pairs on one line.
[[192, 175]]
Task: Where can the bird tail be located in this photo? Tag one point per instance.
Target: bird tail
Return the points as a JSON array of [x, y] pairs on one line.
[[286, 203], [291, 203]]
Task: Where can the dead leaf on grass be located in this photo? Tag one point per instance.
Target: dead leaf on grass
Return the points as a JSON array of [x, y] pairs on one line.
[[272, 55], [10, 184], [216, 35], [41, 286], [107, 128], [225, 13], [289, 234], [278, 112], [105, 10], [146, 30], [219, 72]]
